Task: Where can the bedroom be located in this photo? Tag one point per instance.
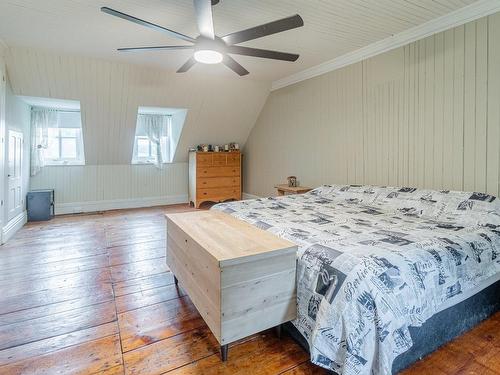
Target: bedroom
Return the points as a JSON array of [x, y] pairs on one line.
[[386, 261]]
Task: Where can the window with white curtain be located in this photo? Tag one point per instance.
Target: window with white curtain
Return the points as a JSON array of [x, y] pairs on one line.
[[152, 139], [65, 142], [58, 137]]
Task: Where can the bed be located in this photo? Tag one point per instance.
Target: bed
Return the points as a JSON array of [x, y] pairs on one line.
[[376, 263]]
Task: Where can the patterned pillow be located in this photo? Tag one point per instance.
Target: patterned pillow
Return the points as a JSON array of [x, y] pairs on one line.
[[433, 204]]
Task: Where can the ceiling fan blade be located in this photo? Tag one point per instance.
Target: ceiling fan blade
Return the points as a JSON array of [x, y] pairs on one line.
[[264, 53], [234, 66], [154, 48], [153, 26], [264, 30], [204, 19], [187, 65]]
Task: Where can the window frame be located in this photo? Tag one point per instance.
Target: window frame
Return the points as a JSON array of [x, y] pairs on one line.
[[80, 154], [136, 160]]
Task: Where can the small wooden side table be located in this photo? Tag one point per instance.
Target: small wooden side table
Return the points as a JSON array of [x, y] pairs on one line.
[[284, 189]]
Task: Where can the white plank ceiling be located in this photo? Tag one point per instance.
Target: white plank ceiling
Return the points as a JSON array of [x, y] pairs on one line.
[[332, 28]]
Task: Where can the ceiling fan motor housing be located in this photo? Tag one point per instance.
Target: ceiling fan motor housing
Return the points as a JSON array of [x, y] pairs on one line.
[[216, 44]]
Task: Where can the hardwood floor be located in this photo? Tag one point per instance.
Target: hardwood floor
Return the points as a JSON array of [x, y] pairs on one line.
[[88, 294]]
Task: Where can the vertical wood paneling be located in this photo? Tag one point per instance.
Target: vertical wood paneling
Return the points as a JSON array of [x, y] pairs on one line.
[[493, 119], [92, 183], [425, 115], [469, 106]]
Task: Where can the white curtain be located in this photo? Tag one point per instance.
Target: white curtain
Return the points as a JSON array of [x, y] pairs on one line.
[[155, 127], [41, 120]]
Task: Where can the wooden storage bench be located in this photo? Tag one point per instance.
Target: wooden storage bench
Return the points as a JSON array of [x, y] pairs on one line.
[[240, 278]]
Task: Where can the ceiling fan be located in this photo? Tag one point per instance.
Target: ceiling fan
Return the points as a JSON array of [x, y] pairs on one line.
[[211, 49]]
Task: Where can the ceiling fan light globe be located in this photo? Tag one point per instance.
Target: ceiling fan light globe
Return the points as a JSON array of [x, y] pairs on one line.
[[207, 56]]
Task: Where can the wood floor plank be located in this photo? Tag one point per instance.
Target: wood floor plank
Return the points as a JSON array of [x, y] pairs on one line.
[[138, 270], [137, 256], [265, 354], [94, 297], [88, 358], [306, 368], [90, 278], [144, 283], [176, 351], [46, 270], [135, 236], [56, 324], [156, 322], [22, 259], [148, 297], [100, 291], [41, 347], [116, 370]]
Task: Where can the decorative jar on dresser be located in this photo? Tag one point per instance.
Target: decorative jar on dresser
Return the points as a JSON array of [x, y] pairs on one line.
[[214, 176]]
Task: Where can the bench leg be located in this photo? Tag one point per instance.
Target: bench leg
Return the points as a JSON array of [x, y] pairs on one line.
[[176, 282], [223, 352], [278, 330]]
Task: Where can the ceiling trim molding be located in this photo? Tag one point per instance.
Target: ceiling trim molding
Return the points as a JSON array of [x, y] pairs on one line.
[[456, 18]]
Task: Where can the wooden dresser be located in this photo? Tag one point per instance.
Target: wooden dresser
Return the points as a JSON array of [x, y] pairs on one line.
[[214, 177]]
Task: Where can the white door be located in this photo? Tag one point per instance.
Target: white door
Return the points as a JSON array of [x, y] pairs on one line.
[[15, 199]]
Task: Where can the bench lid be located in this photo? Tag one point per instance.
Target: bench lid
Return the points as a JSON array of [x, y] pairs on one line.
[[228, 239]]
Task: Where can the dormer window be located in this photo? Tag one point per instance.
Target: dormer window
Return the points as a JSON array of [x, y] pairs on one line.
[[56, 133], [152, 139]]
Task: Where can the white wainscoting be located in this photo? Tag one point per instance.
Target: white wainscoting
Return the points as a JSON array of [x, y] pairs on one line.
[[104, 187]]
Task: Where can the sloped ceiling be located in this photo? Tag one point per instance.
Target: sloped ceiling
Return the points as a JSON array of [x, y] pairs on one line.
[[332, 28], [220, 110]]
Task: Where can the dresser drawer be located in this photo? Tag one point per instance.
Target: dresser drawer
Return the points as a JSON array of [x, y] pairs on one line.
[[233, 159], [219, 159], [217, 171], [217, 194], [204, 159], [210, 182]]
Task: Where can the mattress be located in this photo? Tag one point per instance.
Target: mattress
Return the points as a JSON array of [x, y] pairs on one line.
[[375, 261]]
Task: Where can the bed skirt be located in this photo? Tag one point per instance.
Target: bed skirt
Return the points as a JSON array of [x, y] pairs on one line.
[[440, 328]]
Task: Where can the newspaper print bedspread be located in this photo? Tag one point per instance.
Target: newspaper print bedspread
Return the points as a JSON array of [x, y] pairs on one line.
[[373, 261]]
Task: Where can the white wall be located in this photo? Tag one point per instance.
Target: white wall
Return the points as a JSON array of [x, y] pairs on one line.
[[17, 117], [102, 187], [425, 115]]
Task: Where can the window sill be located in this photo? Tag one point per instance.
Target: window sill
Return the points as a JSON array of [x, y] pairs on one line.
[[64, 163], [148, 162]]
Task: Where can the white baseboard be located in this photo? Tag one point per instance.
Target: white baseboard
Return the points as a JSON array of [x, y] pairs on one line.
[[13, 226], [116, 204], [249, 196]]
